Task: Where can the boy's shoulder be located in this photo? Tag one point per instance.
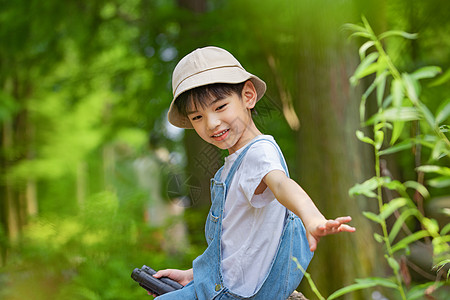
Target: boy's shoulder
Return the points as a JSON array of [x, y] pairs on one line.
[[264, 149], [264, 142]]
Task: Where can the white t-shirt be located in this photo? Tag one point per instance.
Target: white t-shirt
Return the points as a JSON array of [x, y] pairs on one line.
[[252, 224]]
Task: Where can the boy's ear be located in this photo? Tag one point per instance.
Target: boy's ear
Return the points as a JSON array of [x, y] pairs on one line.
[[249, 94]]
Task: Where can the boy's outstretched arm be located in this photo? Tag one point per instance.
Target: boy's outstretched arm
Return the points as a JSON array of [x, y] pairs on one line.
[[294, 198]]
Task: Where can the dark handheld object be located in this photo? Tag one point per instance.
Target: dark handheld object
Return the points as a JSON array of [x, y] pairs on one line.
[[157, 286]]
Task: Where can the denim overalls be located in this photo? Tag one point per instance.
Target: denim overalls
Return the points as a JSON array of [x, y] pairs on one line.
[[283, 277]]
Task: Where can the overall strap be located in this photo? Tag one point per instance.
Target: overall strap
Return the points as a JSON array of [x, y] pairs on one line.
[[241, 156]]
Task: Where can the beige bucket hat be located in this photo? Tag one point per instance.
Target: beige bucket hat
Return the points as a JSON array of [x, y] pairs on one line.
[[205, 66]]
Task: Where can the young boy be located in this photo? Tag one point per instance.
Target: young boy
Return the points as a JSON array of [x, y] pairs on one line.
[[255, 224]]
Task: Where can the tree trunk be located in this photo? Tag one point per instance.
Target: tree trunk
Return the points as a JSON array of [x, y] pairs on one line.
[[330, 158]]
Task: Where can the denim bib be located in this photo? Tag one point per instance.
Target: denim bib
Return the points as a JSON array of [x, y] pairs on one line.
[[283, 276]]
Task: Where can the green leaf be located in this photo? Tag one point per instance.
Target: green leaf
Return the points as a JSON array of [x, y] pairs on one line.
[[438, 150], [431, 225], [418, 187], [439, 182], [407, 144], [355, 28], [381, 87], [379, 238], [434, 169], [426, 72], [409, 239], [361, 34], [446, 229], [363, 284], [393, 184], [366, 188], [379, 138], [395, 114], [400, 33], [360, 135], [361, 69], [396, 131], [389, 208], [392, 263], [412, 88], [373, 217], [429, 117], [397, 92], [399, 223], [443, 112], [418, 292], [363, 49], [442, 79]]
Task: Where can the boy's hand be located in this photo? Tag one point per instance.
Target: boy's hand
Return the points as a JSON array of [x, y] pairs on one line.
[[314, 233], [183, 277]]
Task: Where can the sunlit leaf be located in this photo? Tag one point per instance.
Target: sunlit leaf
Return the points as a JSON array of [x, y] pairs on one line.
[[412, 88], [396, 131], [363, 284], [400, 33], [418, 187], [361, 69], [407, 144], [373, 217], [392, 263], [440, 182], [442, 79], [360, 135], [381, 87], [400, 222], [431, 225], [379, 138], [418, 291], [363, 49], [434, 169], [390, 207], [429, 117], [397, 92], [366, 188], [446, 229], [426, 72], [379, 238], [443, 112], [439, 150], [395, 114], [409, 239]]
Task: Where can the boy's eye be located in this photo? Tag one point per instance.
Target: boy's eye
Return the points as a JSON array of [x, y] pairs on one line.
[[221, 107], [196, 118]]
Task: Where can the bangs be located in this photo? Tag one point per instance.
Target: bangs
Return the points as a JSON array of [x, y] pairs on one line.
[[203, 95]]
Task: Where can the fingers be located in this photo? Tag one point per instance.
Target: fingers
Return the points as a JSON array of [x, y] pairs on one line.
[[335, 226], [346, 228], [342, 220], [313, 241], [163, 273]]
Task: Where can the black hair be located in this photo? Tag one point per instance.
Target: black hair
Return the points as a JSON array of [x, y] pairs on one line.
[[202, 95]]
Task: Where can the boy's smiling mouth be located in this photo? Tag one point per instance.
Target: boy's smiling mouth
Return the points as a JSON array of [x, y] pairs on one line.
[[220, 135]]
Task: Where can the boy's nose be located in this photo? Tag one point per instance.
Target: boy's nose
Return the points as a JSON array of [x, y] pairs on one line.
[[213, 123]]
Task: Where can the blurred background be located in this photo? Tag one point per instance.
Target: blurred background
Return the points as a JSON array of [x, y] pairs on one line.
[[93, 180]]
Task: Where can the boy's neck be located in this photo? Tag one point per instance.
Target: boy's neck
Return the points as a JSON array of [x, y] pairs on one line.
[[250, 133]]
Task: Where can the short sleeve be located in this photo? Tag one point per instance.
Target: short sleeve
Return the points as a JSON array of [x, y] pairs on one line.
[[262, 158]]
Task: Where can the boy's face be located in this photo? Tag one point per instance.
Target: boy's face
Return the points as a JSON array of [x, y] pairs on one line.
[[227, 122]]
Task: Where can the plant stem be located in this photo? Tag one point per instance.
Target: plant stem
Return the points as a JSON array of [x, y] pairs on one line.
[[384, 225]]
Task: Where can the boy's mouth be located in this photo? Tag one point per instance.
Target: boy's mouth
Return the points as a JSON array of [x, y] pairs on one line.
[[220, 134]]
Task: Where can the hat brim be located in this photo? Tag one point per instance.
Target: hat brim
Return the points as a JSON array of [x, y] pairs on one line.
[[231, 75]]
